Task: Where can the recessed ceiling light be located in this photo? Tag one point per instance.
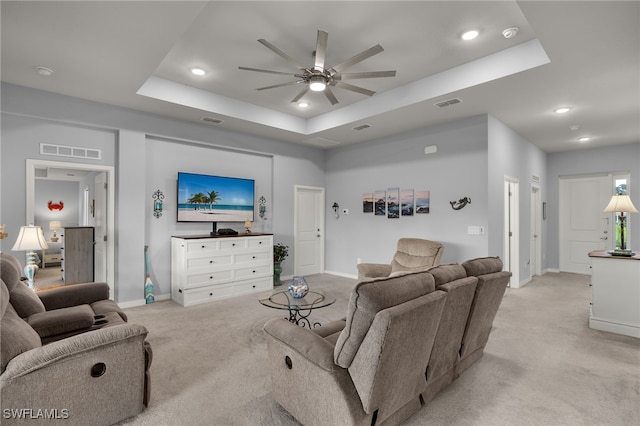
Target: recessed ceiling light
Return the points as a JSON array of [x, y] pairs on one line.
[[562, 110], [44, 71], [574, 127], [584, 139], [303, 104], [198, 71], [470, 35], [510, 32]]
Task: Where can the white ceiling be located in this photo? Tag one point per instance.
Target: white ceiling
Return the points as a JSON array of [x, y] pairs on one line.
[[582, 54]]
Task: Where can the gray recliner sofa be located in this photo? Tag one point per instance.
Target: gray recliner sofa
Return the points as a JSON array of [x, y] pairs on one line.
[[405, 338], [412, 254]]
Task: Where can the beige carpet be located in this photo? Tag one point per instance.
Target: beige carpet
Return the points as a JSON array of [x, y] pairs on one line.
[[542, 366]]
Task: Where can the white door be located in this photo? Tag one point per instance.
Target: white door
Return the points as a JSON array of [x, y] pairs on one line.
[[511, 230], [309, 230], [583, 224], [536, 231], [100, 211]]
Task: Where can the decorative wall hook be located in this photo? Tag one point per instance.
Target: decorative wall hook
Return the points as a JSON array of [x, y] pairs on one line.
[[457, 205], [262, 209], [335, 208], [157, 196]]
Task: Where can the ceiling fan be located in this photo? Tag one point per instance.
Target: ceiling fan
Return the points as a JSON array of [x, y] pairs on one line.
[[319, 78]]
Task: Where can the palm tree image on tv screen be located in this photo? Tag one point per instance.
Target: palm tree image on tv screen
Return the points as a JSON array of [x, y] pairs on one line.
[[207, 198]]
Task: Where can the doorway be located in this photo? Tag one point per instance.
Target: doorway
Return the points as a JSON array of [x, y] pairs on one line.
[[536, 232], [512, 229], [308, 230], [107, 210], [583, 224]]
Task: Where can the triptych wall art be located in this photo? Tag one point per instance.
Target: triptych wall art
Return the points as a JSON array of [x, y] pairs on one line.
[[396, 202]]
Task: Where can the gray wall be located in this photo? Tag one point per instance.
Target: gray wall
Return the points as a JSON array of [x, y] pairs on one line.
[[458, 169], [622, 158], [56, 191], [513, 156], [31, 116]]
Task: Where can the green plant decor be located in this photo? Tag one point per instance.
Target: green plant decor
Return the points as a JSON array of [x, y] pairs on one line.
[[280, 252]]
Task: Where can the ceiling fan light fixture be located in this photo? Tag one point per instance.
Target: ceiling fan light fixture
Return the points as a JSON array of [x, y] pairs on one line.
[[303, 105], [317, 83], [198, 71]]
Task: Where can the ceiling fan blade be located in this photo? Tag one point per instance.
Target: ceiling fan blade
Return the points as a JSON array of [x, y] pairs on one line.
[[371, 74], [329, 94], [321, 50], [281, 53], [358, 58], [268, 71], [300, 95], [291, 83], [353, 88]]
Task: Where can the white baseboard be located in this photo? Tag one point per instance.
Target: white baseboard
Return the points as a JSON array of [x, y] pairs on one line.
[[554, 270], [141, 302], [340, 274]]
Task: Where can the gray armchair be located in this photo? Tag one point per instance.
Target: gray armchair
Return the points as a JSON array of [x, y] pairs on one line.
[[61, 312], [413, 254], [366, 370]]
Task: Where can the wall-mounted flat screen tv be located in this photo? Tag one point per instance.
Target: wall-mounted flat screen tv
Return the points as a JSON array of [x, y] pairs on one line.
[[206, 198]]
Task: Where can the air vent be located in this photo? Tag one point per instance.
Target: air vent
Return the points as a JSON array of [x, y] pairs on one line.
[[211, 120], [535, 179], [448, 102], [70, 151], [361, 127]]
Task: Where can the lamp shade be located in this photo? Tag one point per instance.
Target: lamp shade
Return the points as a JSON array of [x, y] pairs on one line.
[[620, 203], [30, 238], [54, 225], [247, 224]]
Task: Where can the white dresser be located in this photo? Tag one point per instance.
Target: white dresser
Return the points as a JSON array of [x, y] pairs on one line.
[[204, 268], [615, 293]]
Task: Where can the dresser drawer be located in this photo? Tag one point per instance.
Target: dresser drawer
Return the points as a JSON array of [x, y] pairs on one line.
[[209, 262], [257, 257], [218, 277], [232, 244], [252, 286], [205, 246], [192, 297], [260, 242], [256, 271]]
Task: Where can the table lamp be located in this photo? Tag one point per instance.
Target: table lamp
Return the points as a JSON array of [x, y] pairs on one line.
[[54, 225], [247, 224], [621, 203], [29, 239]]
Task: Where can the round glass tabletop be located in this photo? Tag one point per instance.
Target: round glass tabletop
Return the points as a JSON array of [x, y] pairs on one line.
[[283, 300]]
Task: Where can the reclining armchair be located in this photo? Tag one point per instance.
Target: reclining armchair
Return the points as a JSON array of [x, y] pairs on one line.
[[413, 254], [368, 369], [94, 378], [61, 312]]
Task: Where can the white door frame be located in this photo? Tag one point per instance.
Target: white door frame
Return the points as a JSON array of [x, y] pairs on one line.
[[535, 268], [512, 229], [31, 166], [321, 215]]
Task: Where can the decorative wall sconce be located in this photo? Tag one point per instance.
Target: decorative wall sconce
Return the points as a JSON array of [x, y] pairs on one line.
[[157, 196], [262, 208], [457, 205], [335, 208]]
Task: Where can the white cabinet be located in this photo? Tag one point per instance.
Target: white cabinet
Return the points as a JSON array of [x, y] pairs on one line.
[[615, 293], [206, 268]]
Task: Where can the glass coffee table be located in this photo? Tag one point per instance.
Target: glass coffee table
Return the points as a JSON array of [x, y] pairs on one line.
[[299, 309]]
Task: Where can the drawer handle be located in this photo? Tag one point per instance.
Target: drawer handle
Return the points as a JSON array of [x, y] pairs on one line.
[[253, 286], [210, 278], [253, 257], [254, 272], [234, 244], [259, 242], [211, 261], [210, 294], [203, 246]]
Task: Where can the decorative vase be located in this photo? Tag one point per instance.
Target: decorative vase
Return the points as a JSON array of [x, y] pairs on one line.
[[277, 270], [298, 287]]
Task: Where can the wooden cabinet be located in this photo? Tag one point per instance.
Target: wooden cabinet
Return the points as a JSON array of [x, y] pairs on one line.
[[615, 293], [77, 257], [205, 268]]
